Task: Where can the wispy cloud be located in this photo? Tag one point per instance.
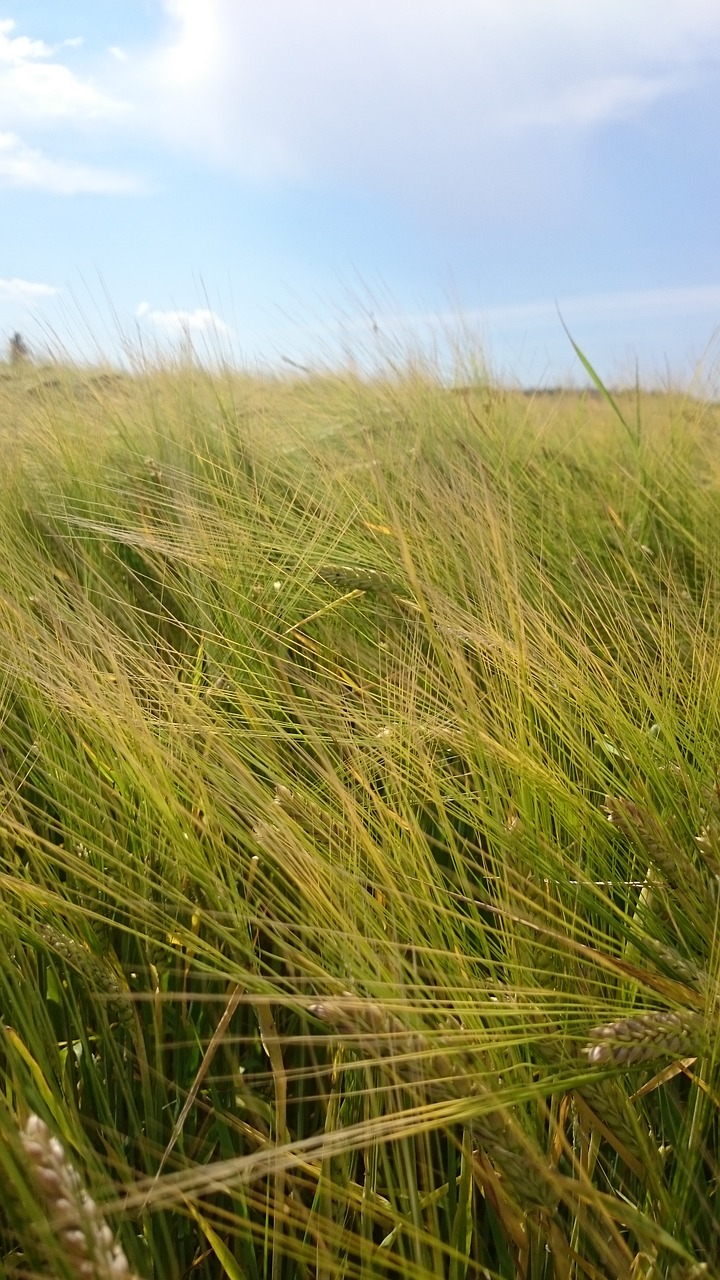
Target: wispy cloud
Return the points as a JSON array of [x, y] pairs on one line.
[[27, 167], [444, 105], [35, 86], [179, 323], [628, 305], [25, 291], [638, 304], [597, 100]]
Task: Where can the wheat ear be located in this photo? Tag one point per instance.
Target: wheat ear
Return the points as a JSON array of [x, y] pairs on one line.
[[96, 971], [409, 1057], [647, 1036], [76, 1221], [357, 577], [641, 826]]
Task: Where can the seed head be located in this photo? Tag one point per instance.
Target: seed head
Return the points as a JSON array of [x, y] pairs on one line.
[[73, 1216], [647, 1036]]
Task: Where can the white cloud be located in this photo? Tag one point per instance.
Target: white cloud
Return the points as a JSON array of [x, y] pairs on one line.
[[432, 100], [48, 90], [178, 323], [25, 291], [22, 166], [35, 87], [17, 49]]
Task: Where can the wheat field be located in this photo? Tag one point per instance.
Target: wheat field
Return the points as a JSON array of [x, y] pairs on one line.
[[360, 829]]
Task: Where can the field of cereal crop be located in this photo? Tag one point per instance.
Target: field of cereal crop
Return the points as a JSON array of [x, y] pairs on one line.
[[360, 831]]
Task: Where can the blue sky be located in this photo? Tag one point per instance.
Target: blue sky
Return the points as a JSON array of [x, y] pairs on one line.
[[297, 179]]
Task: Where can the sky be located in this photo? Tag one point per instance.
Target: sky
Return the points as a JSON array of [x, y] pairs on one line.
[[318, 182]]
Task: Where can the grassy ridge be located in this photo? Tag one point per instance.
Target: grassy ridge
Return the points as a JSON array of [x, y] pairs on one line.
[[360, 834]]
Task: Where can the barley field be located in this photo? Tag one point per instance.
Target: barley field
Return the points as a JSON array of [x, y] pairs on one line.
[[360, 829]]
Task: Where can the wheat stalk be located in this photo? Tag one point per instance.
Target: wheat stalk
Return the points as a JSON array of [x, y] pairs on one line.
[[73, 1216]]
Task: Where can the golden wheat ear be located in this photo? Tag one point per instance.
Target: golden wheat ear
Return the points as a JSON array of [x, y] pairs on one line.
[[77, 1223]]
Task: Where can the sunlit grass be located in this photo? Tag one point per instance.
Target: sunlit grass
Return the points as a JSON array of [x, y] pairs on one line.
[[360, 832]]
